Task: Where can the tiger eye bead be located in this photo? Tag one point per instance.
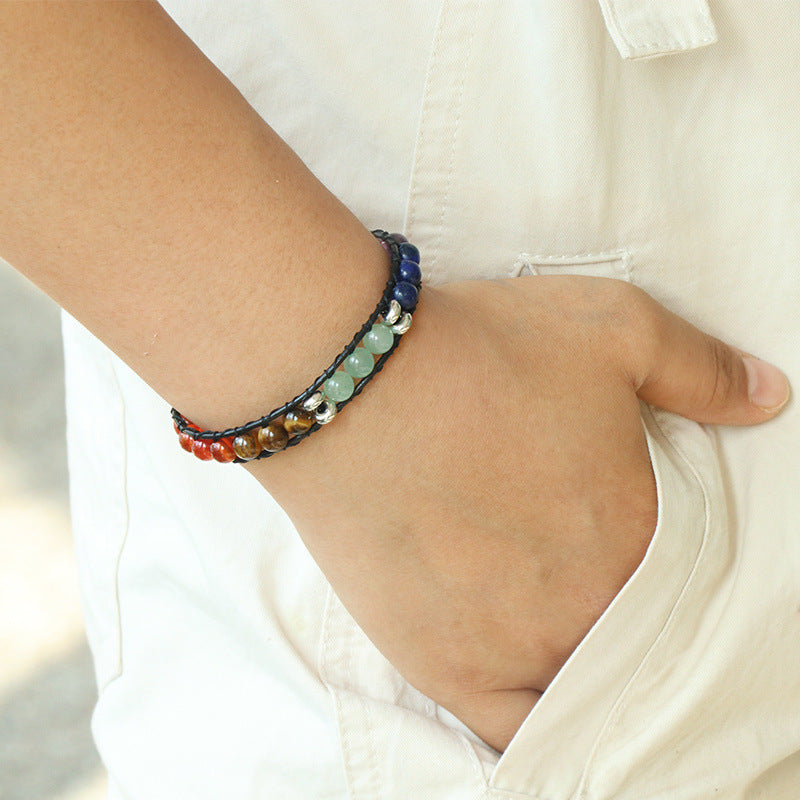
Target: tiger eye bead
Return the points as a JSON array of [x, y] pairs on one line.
[[202, 449], [273, 437], [298, 421], [222, 451], [247, 446]]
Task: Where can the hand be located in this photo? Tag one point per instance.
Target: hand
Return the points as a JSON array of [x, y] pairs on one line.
[[483, 501]]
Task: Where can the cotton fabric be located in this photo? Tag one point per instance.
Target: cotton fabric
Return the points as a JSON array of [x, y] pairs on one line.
[[654, 143]]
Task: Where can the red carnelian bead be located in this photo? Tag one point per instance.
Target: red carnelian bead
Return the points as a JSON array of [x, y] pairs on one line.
[[202, 449], [186, 424], [186, 442], [222, 451]]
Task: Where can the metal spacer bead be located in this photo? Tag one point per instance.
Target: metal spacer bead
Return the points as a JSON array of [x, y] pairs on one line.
[[325, 412], [312, 403], [393, 314], [402, 325]]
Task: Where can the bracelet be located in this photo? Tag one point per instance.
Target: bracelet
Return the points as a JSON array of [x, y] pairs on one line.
[[361, 360]]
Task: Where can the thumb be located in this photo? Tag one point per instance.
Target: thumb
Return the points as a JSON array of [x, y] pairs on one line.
[[697, 376]]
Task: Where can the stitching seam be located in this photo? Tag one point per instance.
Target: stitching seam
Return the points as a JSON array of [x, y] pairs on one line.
[[421, 138], [322, 666], [579, 259], [124, 540], [679, 43]]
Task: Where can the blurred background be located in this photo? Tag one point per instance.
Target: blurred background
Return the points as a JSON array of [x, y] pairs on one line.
[[47, 686]]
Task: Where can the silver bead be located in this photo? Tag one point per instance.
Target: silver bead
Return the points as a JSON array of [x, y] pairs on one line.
[[393, 314], [312, 403], [403, 324], [325, 412]]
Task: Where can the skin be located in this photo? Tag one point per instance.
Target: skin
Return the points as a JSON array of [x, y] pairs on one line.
[[481, 504]]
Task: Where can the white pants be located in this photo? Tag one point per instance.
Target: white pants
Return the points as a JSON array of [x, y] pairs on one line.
[[635, 139]]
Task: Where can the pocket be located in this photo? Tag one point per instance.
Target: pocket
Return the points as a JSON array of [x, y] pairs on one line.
[[606, 264], [693, 559], [564, 744], [585, 736]]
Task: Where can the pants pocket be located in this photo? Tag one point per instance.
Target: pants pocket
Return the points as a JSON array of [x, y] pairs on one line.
[[610, 684]]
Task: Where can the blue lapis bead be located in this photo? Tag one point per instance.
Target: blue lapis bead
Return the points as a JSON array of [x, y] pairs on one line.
[[406, 294], [409, 253], [410, 271]]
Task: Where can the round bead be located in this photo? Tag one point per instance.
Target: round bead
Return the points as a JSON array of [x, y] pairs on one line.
[[186, 442], [311, 403], [247, 446], [410, 272], [326, 412], [398, 237], [222, 451], [298, 421], [393, 313], [359, 363], [202, 449], [379, 339], [406, 294], [408, 252], [403, 324], [339, 386], [273, 437]]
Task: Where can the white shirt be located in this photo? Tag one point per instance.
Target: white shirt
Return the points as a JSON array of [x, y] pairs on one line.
[[633, 139]]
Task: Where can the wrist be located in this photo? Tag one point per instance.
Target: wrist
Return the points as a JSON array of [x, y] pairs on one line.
[[288, 334], [333, 388]]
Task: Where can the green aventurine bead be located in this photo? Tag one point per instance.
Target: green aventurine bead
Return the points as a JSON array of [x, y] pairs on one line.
[[339, 386], [379, 339], [359, 363]]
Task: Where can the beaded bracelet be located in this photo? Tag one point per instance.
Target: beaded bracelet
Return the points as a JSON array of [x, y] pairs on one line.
[[317, 405]]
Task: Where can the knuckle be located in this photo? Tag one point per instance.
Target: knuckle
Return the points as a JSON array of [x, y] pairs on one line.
[[642, 331], [726, 370], [647, 323]]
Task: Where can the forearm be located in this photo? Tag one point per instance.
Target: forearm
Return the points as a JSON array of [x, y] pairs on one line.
[[142, 192]]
